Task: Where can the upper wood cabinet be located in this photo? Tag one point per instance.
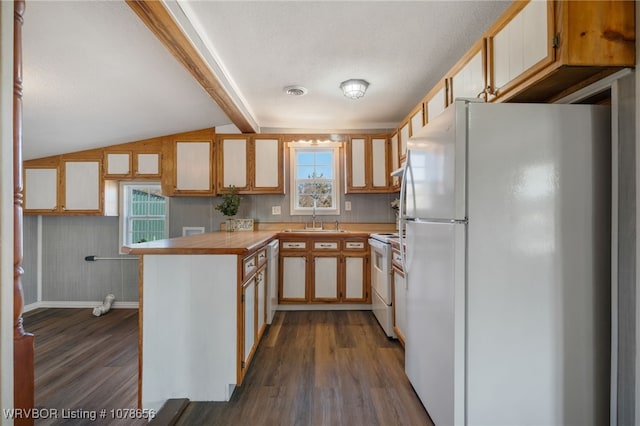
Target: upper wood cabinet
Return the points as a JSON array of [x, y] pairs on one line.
[[403, 138], [395, 160], [436, 100], [147, 164], [467, 79], [520, 45], [59, 185], [254, 164], [541, 50], [188, 166], [367, 164], [82, 186], [117, 164], [41, 189]]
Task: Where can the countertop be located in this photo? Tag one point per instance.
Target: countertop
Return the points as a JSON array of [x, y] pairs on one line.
[[209, 243], [230, 242]]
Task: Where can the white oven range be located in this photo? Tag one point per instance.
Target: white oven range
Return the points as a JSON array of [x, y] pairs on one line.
[[381, 280]]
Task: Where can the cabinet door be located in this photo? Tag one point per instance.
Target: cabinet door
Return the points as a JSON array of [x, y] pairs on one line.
[[404, 137], [521, 47], [249, 319], [268, 170], [356, 164], [416, 121], [469, 79], [437, 103], [234, 163], [117, 164], [400, 305], [293, 278], [379, 169], [325, 278], [41, 190], [193, 168], [146, 164], [261, 300], [82, 186], [355, 282], [395, 160]]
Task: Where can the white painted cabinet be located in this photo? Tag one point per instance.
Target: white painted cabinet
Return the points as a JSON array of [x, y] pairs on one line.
[[325, 278], [293, 271], [367, 164], [253, 164], [117, 164], [357, 161], [417, 121], [147, 164], [41, 189], [82, 186], [261, 298], [400, 304], [193, 167], [355, 273], [249, 308], [379, 168], [235, 157], [437, 103], [395, 161], [469, 81], [403, 136], [268, 161], [521, 44]]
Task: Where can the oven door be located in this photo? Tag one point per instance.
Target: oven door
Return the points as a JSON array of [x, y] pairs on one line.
[[381, 270]]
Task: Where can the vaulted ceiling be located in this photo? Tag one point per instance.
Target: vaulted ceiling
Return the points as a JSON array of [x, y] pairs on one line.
[[96, 75]]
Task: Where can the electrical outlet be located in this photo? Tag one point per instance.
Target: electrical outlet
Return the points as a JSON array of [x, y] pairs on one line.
[[347, 206], [275, 210]]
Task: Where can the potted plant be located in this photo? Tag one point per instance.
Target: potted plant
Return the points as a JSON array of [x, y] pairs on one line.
[[229, 205]]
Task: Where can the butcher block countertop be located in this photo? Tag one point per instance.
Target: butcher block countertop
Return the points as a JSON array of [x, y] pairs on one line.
[[245, 242], [209, 243]]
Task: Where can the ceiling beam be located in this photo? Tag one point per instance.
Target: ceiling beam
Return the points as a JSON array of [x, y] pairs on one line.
[[158, 19]]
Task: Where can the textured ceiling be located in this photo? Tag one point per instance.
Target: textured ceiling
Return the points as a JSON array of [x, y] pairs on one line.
[[94, 75]]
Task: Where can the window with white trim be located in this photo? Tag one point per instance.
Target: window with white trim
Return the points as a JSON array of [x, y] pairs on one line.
[[143, 215], [314, 178]]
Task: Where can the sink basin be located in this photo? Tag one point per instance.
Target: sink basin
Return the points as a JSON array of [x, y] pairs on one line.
[[302, 230]]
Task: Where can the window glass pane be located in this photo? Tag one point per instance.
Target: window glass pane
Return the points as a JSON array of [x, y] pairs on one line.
[[145, 214], [305, 172], [305, 158], [324, 158]]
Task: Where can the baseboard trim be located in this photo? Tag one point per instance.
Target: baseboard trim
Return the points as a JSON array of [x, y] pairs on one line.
[[78, 305]]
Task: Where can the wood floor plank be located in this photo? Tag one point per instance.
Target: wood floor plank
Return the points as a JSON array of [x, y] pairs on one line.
[[320, 368], [311, 368], [84, 362]]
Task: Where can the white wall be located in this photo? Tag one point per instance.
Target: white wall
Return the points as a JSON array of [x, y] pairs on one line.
[[6, 207]]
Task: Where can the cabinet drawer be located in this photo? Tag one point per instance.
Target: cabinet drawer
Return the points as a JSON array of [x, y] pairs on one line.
[[396, 259], [249, 265], [326, 245], [354, 245], [294, 245], [262, 257]]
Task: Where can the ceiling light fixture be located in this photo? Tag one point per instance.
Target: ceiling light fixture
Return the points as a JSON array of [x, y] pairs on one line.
[[295, 90], [354, 88]]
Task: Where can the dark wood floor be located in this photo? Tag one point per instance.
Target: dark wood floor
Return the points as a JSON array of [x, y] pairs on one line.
[[311, 368], [85, 362], [320, 368]]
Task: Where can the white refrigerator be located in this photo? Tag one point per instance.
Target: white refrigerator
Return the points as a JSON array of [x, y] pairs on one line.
[[507, 215]]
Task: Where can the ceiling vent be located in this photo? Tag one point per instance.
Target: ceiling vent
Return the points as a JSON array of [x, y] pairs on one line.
[[295, 90]]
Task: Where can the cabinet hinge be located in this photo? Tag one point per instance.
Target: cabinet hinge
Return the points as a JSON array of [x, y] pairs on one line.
[[242, 364], [556, 41], [242, 298]]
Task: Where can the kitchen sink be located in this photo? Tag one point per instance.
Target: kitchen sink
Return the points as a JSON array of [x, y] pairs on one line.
[[307, 230]]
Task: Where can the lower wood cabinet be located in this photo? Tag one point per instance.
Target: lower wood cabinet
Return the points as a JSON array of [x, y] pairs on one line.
[[254, 309], [324, 270]]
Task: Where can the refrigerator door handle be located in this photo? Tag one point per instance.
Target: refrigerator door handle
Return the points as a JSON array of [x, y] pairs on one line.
[[401, 213]]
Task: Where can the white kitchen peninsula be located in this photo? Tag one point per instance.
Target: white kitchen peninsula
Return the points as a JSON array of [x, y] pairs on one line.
[[193, 314]]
